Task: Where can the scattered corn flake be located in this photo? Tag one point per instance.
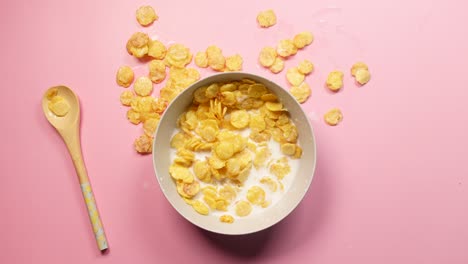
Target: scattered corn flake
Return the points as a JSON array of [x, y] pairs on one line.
[[145, 15], [234, 63], [201, 59], [335, 80], [137, 45], [294, 77], [357, 66], [157, 71], [133, 116], [178, 56], [303, 39], [143, 144], [305, 67], [301, 92], [213, 50], [226, 219], [333, 117], [267, 56], [286, 48], [266, 18], [200, 208], [362, 76], [158, 105], [156, 49], [126, 97], [277, 66], [124, 76], [143, 86], [217, 62], [243, 208]]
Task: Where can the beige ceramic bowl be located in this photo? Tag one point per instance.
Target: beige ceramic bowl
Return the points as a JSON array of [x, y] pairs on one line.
[[252, 223]]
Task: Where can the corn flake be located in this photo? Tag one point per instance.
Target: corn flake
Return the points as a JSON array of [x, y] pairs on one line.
[[358, 66], [280, 168], [144, 144], [305, 67], [266, 18], [137, 45], [261, 156], [333, 117], [226, 219], [145, 15], [267, 56], [286, 48], [277, 66], [178, 56], [274, 106], [133, 116], [256, 195], [188, 190], [240, 119], [201, 59], [272, 185], [234, 63], [150, 125], [124, 76], [200, 208], [143, 86], [335, 80], [362, 76], [303, 39], [294, 77], [182, 173], [202, 171], [59, 106], [301, 92], [224, 150], [243, 208], [156, 49], [157, 71]]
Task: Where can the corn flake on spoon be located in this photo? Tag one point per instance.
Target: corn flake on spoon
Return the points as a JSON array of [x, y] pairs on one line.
[[62, 109]]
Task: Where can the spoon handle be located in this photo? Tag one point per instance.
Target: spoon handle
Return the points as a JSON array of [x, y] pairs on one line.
[[74, 148]]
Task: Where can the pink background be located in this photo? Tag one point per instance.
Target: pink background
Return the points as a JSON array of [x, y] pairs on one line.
[[391, 181]]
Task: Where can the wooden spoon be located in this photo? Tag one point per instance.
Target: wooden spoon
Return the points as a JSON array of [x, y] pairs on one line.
[[68, 127]]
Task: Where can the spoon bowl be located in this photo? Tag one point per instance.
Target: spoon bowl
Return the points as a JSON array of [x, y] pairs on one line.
[[72, 118]]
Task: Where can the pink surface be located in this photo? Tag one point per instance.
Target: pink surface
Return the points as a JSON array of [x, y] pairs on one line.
[[391, 181]]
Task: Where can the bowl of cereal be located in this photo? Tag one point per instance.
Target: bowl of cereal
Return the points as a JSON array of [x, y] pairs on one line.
[[234, 153]]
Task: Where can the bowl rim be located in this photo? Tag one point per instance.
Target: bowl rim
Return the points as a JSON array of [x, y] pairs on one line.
[[264, 80]]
